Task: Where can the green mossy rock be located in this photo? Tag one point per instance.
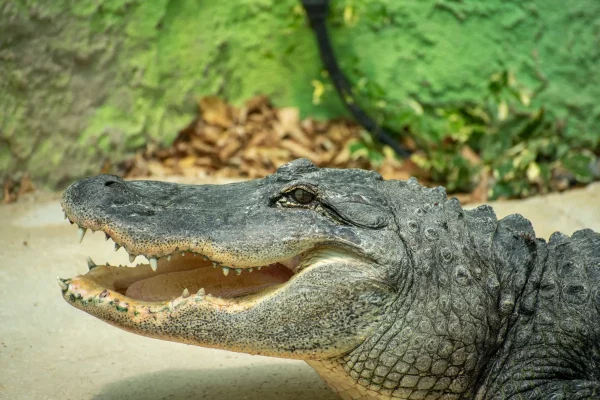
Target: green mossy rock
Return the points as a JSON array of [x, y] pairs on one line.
[[93, 80]]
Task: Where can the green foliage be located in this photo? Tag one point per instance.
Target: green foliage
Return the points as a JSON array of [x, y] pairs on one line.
[[522, 148], [368, 148]]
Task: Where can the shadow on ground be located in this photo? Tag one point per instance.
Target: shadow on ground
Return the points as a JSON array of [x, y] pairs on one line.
[[226, 384]]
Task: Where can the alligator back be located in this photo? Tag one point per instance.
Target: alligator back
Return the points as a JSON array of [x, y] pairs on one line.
[[552, 349]]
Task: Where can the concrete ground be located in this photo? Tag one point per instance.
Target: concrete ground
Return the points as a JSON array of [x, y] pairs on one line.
[[49, 350]]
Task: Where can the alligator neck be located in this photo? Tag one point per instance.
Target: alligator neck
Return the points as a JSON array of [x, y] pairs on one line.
[[456, 301]]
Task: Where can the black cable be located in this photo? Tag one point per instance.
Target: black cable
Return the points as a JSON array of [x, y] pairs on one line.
[[316, 11]]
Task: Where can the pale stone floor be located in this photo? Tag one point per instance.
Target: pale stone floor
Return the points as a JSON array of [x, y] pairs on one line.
[[49, 350]]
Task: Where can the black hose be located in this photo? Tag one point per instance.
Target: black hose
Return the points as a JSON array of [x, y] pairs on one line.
[[316, 11]]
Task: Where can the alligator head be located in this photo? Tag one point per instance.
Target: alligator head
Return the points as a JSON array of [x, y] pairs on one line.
[[387, 288], [293, 265]]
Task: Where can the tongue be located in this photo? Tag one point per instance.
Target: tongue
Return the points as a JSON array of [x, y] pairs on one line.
[[171, 285]]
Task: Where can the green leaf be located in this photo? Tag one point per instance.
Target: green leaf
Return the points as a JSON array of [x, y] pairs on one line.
[[579, 164]]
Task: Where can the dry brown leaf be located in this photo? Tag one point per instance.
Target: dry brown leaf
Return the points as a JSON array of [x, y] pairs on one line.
[[170, 162], [186, 162], [289, 117], [182, 147], [191, 172], [253, 140], [204, 161], [226, 172], [259, 138], [215, 111], [265, 154], [327, 157], [257, 103], [339, 132], [156, 168], [26, 186], [229, 149], [343, 156], [298, 151], [201, 147], [299, 136], [257, 118], [480, 193], [161, 153], [211, 134], [242, 115], [8, 195], [469, 155], [308, 126], [289, 124], [324, 143], [389, 172]]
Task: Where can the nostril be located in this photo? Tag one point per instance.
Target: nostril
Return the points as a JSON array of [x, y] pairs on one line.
[[109, 183]]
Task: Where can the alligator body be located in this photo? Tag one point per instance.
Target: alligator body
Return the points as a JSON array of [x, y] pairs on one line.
[[387, 288]]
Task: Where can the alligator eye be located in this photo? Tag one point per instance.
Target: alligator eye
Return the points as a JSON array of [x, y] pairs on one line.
[[302, 196]]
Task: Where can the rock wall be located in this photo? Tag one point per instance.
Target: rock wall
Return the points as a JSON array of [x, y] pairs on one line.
[[86, 81]]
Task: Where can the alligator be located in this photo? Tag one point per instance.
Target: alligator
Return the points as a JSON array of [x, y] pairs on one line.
[[388, 289]]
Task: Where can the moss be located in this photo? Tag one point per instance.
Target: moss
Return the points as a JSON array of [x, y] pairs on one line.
[[112, 75], [5, 158]]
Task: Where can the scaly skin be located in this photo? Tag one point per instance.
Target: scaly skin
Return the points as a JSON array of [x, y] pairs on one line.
[[396, 291]]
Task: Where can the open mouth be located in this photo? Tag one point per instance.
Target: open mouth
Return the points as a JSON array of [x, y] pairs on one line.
[[182, 275], [185, 273]]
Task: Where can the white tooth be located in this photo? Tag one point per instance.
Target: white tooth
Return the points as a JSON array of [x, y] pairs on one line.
[[186, 293], [250, 269], [117, 246], [258, 268], [153, 263], [62, 284], [106, 237], [131, 258], [168, 258], [65, 214], [91, 264], [214, 264], [182, 253], [225, 271], [238, 271], [201, 292], [292, 262], [81, 233], [195, 254]]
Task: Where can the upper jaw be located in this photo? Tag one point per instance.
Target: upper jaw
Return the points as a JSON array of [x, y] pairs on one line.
[[159, 219], [103, 281], [182, 265]]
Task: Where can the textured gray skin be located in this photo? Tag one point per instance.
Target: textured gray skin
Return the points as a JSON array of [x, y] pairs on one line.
[[439, 302]]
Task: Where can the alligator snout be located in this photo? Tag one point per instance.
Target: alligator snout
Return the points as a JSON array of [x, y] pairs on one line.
[[99, 190]]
